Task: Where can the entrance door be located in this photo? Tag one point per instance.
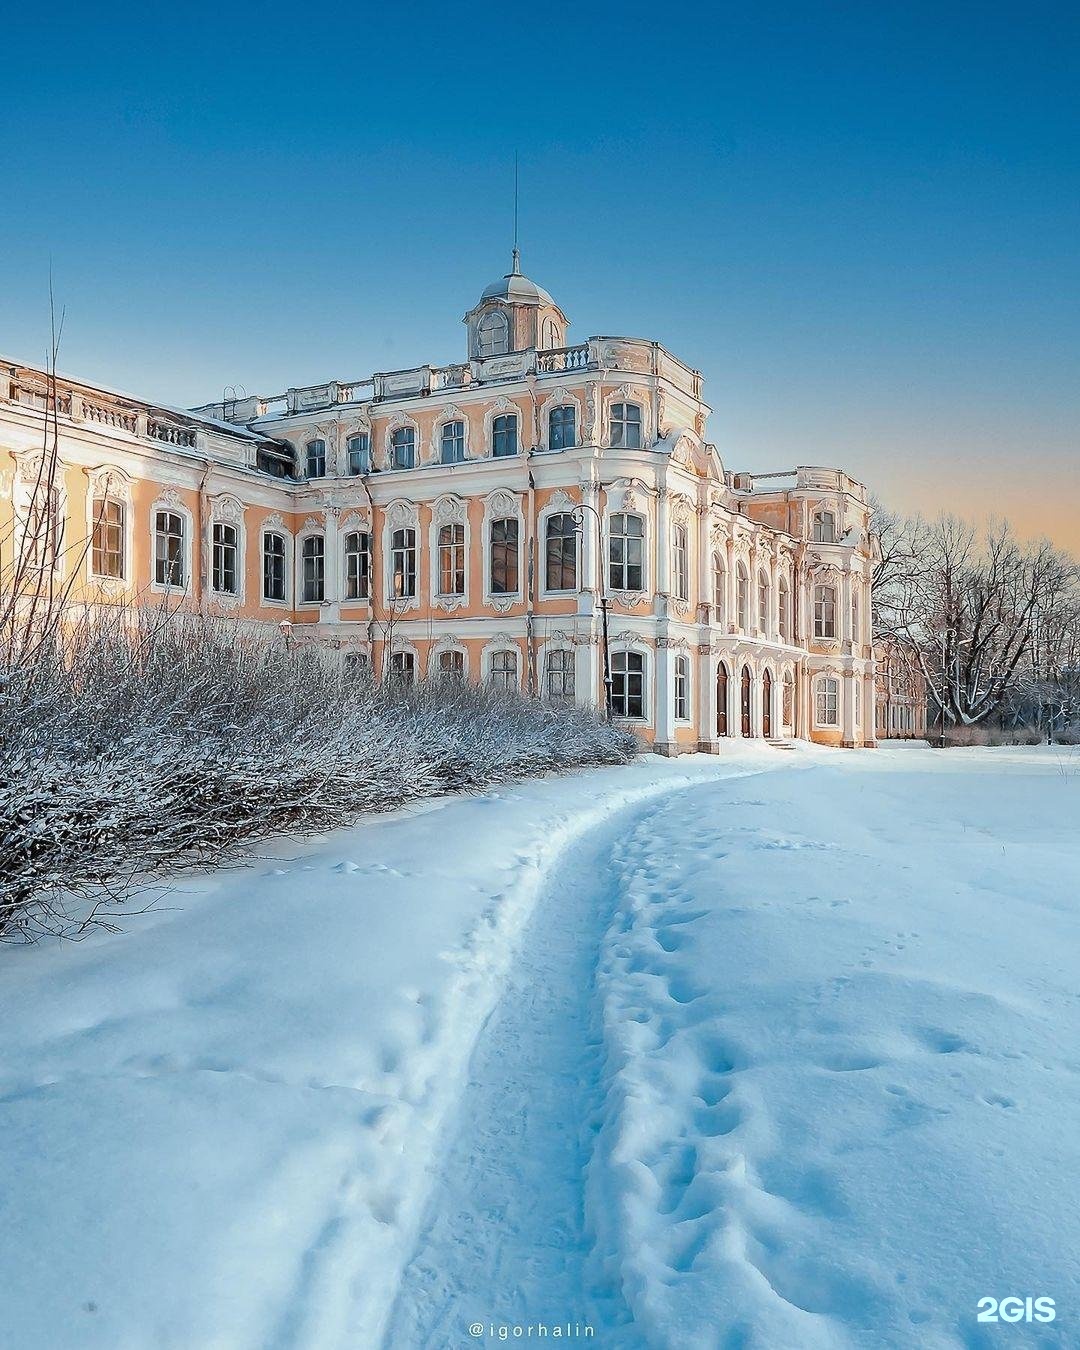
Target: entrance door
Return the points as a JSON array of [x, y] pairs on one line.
[[721, 699], [766, 704], [745, 700]]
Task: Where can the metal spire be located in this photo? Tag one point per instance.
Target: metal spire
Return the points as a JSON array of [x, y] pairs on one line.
[[516, 268]]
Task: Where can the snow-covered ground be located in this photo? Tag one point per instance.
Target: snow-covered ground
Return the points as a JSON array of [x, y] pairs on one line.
[[776, 1050]]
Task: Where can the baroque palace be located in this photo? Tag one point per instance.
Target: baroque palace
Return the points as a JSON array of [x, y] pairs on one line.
[[542, 515]]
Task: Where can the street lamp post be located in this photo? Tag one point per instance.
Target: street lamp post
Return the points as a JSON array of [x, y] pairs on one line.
[[286, 632], [576, 513]]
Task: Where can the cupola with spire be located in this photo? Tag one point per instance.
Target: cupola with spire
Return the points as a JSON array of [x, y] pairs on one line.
[[513, 315]]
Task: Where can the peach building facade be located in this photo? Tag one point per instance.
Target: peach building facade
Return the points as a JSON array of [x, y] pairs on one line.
[[477, 520]]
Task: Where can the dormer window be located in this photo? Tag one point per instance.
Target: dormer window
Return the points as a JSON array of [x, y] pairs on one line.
[[492, 335]]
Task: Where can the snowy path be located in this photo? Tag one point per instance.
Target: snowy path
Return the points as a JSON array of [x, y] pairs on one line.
[[504, 1237]]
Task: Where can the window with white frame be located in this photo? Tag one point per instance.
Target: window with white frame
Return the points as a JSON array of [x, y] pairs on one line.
[[560, 568], [452, 665], [452, 560], [357, 565], [313, 569], [108, 555], [824, 527], [742, 599], [44, 534], [562, 428], [403, 448], [827, 701], [626, 425], [504, 669], [763, 604], [402, 668], [452, 443], [559, 674], [492, 334], [719, 587], [504, 435], [626, 552], [169, 548], [784, 607], [273, 570], [825, 611], [680, 562], [628, 684], [315, 458], [403, 564], [682, 689], [359, 448], [854, 613], [504, 557], [225, 570]]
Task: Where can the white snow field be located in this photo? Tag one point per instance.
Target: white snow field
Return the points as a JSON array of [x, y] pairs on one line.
[[778, 1050]]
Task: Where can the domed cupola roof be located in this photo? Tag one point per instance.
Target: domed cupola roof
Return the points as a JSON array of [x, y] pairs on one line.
[[516, 288]]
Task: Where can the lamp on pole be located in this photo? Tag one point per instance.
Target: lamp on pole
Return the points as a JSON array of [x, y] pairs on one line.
[[579, 517], [286, 632]]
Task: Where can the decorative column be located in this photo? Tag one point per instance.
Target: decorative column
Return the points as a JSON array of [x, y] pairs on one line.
[[706, 699], [664, 742]]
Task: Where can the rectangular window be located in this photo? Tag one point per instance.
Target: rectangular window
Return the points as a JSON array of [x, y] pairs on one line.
[[824, 611], [504, 436], [824, 528], [453, 442], [452, 665], [357, 565], [313, 565], [763, 604], [681, 563], [854, 616], [562, 428], [225, 575], [359, 448], [682, 689], [559, 675], [626, 425], [169, 548], [44, 535], [273, 566], [452, 560], [504, 669], [626, 553], [560, 572], [403, 564], [108, 551], [403, 668], [316, 459], [828, 702], [504, 557], [628, 684], [403, 448]]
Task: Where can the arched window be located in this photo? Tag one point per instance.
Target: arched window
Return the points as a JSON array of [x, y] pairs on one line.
[[560, 572], [402, 668], [452, 443], [359, 448], [785, 610], [559, 674], [355, 665], [766, 703], [680, 558], [628, 684], [562, 427], [742, 599], [313, 569], [763, 603], [315, 459], [744, 700], [504, 557], [273, 570], [109, 553], [452, 665], [492, 334], [504, 669], [825, 611], [225, 572], [626, 425], [682, 689], [719, 587], [169, 548], [403, 448], [357, 565], [504, 435], [827, 701], [721, 699], [626, 553], [452, 560], [824, 527], [403, 564], [550, 335]]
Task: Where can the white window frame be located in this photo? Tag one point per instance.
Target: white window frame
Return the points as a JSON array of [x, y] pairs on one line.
[[621, 655], [312, 537], [681, 687], [609, 535], [823, 695], [278, 532]]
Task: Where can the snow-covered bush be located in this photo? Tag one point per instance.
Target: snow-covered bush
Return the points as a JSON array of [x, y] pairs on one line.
[[136, 743]]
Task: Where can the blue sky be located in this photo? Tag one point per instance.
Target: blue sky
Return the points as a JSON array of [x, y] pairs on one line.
[[859, 221]]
